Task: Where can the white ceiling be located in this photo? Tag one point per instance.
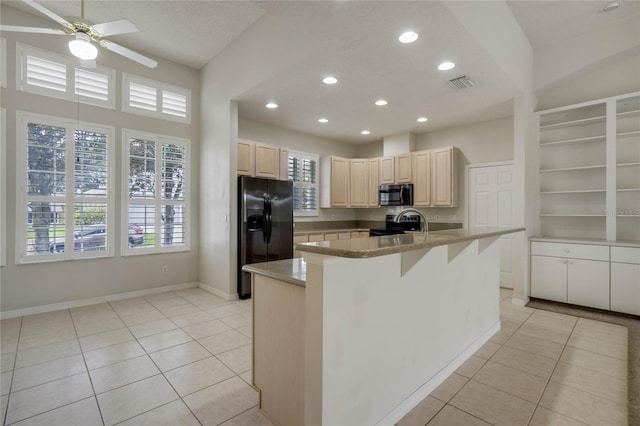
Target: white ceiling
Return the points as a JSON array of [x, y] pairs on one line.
[[358, 44]]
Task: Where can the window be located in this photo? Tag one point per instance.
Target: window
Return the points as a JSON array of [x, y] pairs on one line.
[[47, 73], [303, 171], [156, 198], [65, 175], [155, 99]]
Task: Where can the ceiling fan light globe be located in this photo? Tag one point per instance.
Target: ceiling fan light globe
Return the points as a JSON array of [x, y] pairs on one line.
[[82, 48]]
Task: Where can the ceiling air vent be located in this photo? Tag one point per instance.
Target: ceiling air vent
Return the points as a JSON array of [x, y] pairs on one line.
[[463, 82]]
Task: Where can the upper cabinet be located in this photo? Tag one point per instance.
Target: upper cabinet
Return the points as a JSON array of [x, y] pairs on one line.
[[421, 178], [262, 160], [386, 171], [334, 181], [246, 158], [444, 175], [374, 177], [358, 182], [403, 168]]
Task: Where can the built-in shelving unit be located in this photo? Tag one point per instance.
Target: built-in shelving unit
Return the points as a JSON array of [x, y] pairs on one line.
[[590, 170]]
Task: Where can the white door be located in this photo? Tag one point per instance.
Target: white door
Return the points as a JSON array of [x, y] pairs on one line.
[[491, 205]]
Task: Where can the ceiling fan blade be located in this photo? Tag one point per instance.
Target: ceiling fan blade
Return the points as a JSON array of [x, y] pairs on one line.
[[49, 13], [17, 29], [121, 26], [128, 53]]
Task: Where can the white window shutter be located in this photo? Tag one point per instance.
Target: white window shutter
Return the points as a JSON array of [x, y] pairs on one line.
[[143, 97], [92, 85], [47, 74]]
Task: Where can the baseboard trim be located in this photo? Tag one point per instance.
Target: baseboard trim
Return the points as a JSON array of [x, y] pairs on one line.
[[421, 393], [217, 292], [92, 300]]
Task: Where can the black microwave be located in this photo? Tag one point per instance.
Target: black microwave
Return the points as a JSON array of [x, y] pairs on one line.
[[396, 195]]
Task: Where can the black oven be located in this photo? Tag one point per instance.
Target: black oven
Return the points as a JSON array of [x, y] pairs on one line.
[[396, 195]]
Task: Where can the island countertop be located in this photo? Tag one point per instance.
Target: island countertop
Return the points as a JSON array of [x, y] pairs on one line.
[[391, 244], [292, 271]]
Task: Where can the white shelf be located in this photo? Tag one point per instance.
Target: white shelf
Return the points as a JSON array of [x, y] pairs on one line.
[[573, 141], [628, 164], [573, 122], [582, 191], [635, 132], [628, 215], [569, 169], [570, 215], [628, 190], [628, 113]]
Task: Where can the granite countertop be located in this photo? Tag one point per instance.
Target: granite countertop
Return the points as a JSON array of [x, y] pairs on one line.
[[332, 230], [293, 271], [391, 244]]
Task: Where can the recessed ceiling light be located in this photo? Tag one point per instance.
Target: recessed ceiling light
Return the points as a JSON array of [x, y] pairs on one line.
[[330, 80], [381, 102], [271, 105], [446, 66], [408, 37], [422, 119], [611, 6], [365, 132], [323, 120]]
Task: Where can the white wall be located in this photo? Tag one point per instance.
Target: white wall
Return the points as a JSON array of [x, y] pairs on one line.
[[33, 285], [268, 133]]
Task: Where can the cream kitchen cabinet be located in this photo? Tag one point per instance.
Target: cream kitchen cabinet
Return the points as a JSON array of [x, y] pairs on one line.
[[387, 170], [297, 239], [571, 273], [334, 182], [246, 158], [358, 182], [421, 178], [444, 177], [625, 280], [262, 160], [373, 185], [403, 168]]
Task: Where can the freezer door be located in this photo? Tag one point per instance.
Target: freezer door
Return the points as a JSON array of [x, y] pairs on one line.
[[252, 238], [279, 220]]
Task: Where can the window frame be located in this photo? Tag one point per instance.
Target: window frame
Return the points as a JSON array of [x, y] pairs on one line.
[[157, 201], [160, 87], [297, 185], [71, 67], [69, 199], [3, 62], [3, 187]]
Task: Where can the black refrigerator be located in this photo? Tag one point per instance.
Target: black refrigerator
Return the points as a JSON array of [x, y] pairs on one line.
[[265, 225]]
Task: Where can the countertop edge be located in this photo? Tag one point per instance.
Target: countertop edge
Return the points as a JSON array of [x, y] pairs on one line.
[[376, 252], [586, 241], [272, 274]]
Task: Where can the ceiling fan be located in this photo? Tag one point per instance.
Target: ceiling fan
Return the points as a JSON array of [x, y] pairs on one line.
[[84, 33]]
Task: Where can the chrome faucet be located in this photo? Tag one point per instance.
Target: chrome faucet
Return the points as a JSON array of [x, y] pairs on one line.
[[412, 210]]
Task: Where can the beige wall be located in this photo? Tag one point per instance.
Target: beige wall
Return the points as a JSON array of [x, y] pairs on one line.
[[31, 285]]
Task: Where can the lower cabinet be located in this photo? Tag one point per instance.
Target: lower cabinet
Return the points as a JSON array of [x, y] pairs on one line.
[[580, 278], [625, 280]]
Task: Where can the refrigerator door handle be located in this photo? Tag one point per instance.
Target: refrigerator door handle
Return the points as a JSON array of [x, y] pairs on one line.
[[269, 221], [265, 203]]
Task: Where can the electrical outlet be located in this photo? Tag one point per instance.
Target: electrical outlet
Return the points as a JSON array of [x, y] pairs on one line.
[[165, 269]]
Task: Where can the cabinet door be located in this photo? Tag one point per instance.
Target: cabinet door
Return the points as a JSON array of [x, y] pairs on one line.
[[588, 283], [267, 161], [316, 237], [246, 158], [299, 239], [625, 288], [330, 236], [387, 170], [344, 235], [374, 167], [339, 182], [441, 177], [422, 178], [358, 185], [403, 168], [284, 164], [549, 278]]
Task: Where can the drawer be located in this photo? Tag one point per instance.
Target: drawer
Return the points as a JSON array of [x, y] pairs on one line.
[[344, 235], [316, 237], [300, 239], [625, 255], [330, 236], [573, 251]]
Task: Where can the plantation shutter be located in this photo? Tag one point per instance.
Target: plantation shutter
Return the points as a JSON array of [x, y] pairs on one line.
[[92, 85], [143, 97], [46, 74], [303, 171], [174, 104]]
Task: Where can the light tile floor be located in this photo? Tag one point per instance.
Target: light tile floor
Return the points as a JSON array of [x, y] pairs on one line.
[[175, 358], [184, 358], [541, 368]]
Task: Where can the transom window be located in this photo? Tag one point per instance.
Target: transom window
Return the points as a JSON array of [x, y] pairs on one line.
[[156, 99], [65, 175], [156, 199]]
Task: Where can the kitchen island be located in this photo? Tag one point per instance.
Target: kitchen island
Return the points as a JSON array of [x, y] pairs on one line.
[[361, 330]]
